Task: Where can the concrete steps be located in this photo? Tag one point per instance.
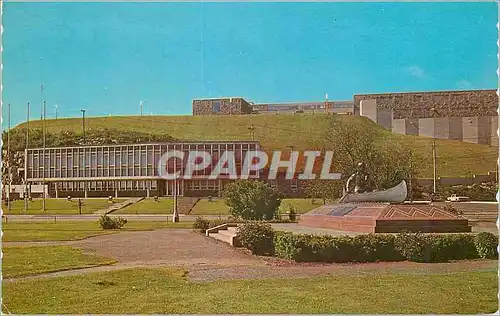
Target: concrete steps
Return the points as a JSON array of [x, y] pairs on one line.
[[224, 233], [186, 204]]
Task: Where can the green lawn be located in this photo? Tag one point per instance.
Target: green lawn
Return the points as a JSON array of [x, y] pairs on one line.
[[74, 230], [162, 291], [218, 207], [275, 132], [206, 207], [22, 261], [149, 206], [301, 205], [59, 206]]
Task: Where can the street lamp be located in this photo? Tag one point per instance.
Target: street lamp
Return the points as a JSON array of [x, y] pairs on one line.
[[83, 125]]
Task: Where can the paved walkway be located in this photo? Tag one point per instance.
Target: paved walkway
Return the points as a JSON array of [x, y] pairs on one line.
[[207, 259]]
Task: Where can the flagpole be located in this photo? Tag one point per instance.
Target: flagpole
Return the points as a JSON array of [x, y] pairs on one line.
[[43, 160], [26, 159], [8, 161]]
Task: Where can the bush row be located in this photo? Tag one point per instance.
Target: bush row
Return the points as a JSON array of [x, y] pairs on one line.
[[416, 247], [262, 240]]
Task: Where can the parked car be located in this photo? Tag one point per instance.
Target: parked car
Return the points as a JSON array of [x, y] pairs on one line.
[[455, 198]]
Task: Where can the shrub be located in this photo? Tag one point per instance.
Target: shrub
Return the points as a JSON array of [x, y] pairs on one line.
[[292, 213], [435, 248], [362, 248], [376, 247], [200, 225], [107, 222], [486, 245], [251, 200], [257, 237]]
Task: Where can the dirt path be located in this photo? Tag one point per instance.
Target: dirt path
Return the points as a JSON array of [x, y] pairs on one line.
[[209, 260]]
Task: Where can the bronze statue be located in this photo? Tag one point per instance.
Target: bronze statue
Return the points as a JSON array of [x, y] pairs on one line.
[[360, 178]]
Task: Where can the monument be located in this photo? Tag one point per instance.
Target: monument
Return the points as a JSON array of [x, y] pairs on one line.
[[384, 211]]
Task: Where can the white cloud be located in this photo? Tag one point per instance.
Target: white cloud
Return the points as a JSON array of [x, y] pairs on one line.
[[416, 71], [464, 84]]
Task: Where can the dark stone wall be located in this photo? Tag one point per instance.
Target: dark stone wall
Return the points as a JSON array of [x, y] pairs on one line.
[[447, 103], [228, 106]]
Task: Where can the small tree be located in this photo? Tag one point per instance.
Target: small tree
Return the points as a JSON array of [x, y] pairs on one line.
[[251, 200]]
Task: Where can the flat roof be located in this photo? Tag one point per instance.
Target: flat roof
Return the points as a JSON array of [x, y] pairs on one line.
[[164, 143], [428, 92]]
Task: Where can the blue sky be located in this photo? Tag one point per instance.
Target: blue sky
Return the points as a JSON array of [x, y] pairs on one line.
[[107, 57]]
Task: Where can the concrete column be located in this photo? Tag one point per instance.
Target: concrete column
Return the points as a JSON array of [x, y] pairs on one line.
[[85, 189], [57, 191]]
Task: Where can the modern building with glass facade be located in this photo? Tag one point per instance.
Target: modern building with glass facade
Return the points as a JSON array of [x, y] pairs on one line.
[[128, 170]]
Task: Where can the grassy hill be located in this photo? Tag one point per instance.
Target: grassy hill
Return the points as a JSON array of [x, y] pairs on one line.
[[280, 131]]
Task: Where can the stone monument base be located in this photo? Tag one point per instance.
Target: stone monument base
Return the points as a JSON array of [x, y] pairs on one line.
[[385, 218]]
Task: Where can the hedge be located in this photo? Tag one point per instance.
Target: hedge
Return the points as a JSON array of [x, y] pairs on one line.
[[384, 247]]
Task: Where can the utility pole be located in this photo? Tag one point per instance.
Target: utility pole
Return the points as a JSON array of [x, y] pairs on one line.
[[43, 160], [252, 131], [434, 156], [83, 126], [141, 107], [26, 191], [8, 161], [56, 110], [326, 103]]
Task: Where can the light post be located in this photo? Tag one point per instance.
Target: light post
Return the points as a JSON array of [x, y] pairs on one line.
[[41, 102], [252, 131], [83, 126], [175, 216]]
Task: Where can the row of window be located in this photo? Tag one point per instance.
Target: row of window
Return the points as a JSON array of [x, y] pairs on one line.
[[200, 185], [106, 185], [136, 171]]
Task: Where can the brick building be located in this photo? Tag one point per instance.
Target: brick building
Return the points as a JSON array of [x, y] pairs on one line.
[[221, 106], [132, 170]]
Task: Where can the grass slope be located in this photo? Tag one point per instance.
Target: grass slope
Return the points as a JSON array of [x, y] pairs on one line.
[[162, 291], [280, 131], [59, 206], [23, 261], [74, 230]]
